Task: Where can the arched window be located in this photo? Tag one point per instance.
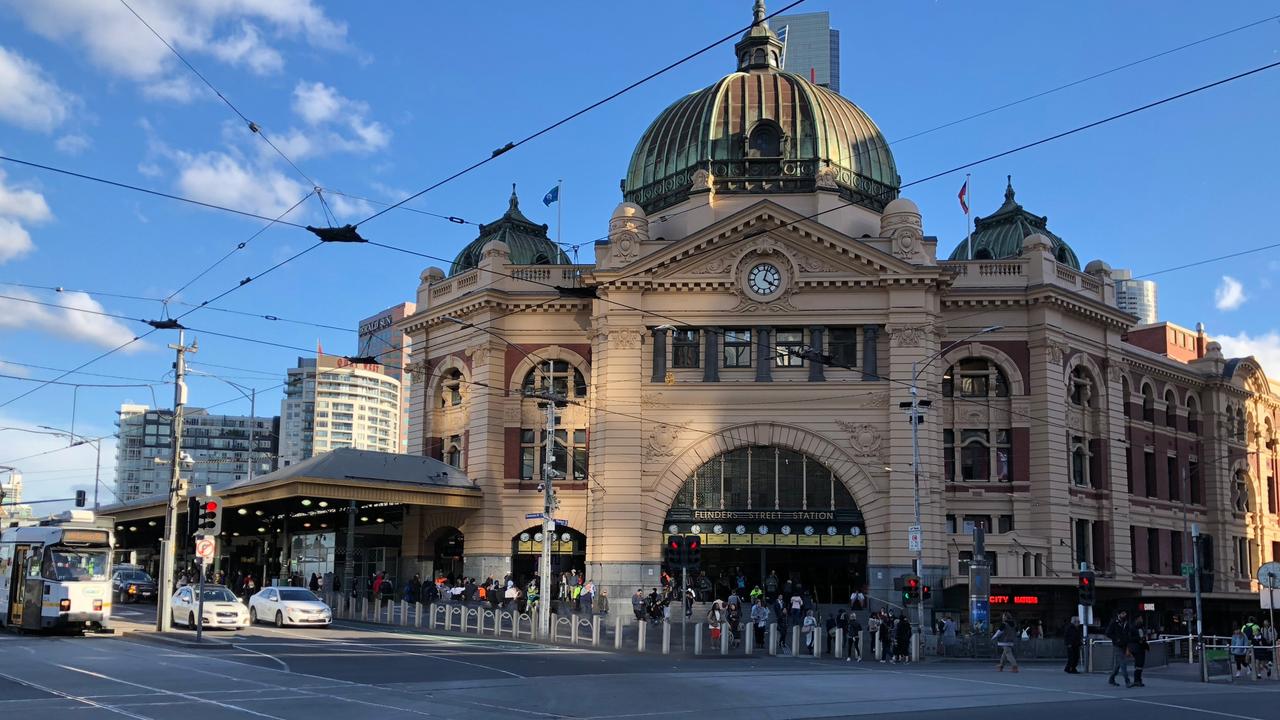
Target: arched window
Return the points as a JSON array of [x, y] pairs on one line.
[[1148, 403], [1080, 461], [1083, 390], [763, 478], [975, 377], [561, 373], [1240, 424], [1240, 491], [1124, 395], [983, 254], [453, 452], [1193, 415], [765, 141], [1170, 408], [451, 388]]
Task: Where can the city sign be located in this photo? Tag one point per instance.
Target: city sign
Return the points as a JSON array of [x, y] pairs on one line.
[[1014, 599], [374, 326]]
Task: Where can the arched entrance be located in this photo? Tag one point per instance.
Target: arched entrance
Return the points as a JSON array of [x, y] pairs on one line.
[[764, 510], [447, 552], [568, 552]]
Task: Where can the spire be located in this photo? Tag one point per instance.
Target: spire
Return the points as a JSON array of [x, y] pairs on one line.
[[759, 48], [514, 205], [1009, 203]]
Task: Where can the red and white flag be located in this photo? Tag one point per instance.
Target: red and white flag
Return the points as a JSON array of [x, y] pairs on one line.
[[964, 196]]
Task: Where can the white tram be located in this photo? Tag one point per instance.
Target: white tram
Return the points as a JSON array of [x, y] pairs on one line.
[[56, 574]]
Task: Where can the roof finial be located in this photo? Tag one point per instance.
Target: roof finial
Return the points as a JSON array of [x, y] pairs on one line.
[[1008, 188], [515, 201], [759, 12]]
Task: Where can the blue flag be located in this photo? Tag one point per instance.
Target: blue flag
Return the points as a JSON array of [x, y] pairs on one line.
[[553, 195]]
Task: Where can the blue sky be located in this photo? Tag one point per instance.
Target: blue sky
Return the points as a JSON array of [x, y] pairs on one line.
[[390, 99]]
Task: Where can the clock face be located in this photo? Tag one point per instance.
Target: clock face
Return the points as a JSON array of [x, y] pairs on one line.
[[764, 279]]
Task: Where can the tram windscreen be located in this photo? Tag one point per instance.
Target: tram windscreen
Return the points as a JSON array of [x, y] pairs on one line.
[[69, 565]]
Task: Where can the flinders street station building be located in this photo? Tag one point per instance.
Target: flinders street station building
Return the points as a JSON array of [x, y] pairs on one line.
[[735, 362]]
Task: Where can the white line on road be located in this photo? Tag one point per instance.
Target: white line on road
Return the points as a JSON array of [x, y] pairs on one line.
[[168, 692], [434, 656], [68, 696]]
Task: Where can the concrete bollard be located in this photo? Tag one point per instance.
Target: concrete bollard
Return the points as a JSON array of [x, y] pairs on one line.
[[404, 612], [617, 633], [573, 629], [749, 638], [364, 608], [724, 638], [666, 638], [697, 638], [431, 616], [448, 618], [497, 623], [819, 641], [772, 639], [839, 649], [795, 641], [595, 631], [417, 614], [642, 631]]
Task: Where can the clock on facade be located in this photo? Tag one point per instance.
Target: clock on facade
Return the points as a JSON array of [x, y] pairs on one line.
[[764, 279]]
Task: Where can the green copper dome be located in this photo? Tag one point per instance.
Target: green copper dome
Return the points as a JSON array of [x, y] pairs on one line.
[[1000, 235], [761, 130], [528, 243]]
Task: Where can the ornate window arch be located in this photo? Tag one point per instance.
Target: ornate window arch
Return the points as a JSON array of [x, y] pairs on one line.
[[1082, 387], [1148, 401], [1170, 408], [564, 372], [1125, 399], [451, 381], [977, 437], [1193, 413]]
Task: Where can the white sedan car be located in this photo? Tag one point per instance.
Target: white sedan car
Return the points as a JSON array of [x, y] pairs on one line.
[[289, 606], [221, 608]]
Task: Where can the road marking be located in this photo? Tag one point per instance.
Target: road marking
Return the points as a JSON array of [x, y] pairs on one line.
[[1192, 709], [433, 656], [168, 692], [68, 696]]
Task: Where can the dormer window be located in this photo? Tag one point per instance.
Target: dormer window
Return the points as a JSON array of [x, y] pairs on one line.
[[765, 141]]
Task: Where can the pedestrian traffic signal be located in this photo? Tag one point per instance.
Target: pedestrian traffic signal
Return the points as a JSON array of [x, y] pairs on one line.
[[80, 498], [209, 521], [1086, 588], [674, 554], [926, 592], [692, 552], [910, 589]]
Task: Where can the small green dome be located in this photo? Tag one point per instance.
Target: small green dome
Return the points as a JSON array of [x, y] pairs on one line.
[[527, 242], [999, 236], [761, 130]]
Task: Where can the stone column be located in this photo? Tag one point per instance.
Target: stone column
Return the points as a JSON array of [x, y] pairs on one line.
[[659, 355], [1050, 486], [487, 552], [764, 355], [870, 335], [816, 369]]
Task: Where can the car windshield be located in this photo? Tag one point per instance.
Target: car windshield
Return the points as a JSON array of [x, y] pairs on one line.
[[76, 565], [135, 576], [297, 594], [219, 595]]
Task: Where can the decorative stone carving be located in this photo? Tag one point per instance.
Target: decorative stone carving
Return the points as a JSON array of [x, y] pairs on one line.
[[815, 265], [702, 180], [1115, 373], [653, 400], [1057, 352], [827, 177], [418, 372], [865, 439], [626, 339], [910, 335], [478, 353], [714, 266], [1075, 418], [907, 242], [661, 441]]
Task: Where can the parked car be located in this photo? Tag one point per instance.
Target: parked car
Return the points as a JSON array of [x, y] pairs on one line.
[[289, 606], [129, 585], [221, 608]]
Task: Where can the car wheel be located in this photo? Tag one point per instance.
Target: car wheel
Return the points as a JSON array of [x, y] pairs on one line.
[[253, 616], [279, 619], [191, 620]]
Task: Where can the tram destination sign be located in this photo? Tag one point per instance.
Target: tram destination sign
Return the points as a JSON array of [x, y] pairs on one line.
[[764, 515]]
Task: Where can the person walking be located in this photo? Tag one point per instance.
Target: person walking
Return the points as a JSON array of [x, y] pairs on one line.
[[797, 609], [1253, 636], [716, 619], [588, 599], [1264, 654], [1240, 651], [808, 629], [902, 639], [602, 603], [1138, 650], [1004, 639], [1073, 638], [637, 603], [854, 638], [759, 619], [885, 635], [1120, 632], [771, 584]]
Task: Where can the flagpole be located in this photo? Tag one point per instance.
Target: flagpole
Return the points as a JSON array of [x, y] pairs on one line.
[[559, 211], [968, 226]]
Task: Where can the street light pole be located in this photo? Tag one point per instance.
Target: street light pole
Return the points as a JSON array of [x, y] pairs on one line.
[[916, 417], [169, 546], [78, 439]]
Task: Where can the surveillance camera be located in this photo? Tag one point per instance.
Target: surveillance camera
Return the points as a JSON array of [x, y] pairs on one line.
[[542, 487]]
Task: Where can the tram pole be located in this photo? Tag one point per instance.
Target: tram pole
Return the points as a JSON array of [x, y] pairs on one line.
[[169, 545], [548, 506]]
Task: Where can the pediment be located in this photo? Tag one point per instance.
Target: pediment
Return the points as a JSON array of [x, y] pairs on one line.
[[809, 249]]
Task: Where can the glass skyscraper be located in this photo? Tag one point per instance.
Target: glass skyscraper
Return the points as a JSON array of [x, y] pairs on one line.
[[810, 47]]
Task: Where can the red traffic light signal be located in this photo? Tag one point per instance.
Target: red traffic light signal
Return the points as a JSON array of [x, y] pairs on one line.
[[211, 506], [1086, 587]]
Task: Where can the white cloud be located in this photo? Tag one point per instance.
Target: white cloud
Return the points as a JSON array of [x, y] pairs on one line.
[[65, 321], [32, 99], [219, 178], [26, 205], [72, 144], [1229, 295], [345, 207], [1264, 347], [15, 241], [11, 369], [316, 102], [178, 88], [65, 469], [336, 123], [227, 30]]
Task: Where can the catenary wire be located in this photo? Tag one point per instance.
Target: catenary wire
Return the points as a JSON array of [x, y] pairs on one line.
[[90, 374], [572, 116]]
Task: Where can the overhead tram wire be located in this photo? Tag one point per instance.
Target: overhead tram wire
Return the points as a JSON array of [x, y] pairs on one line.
[[574, 115], [89, 374], [1083, 80]]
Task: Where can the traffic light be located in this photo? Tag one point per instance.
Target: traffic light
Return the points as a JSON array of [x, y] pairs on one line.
[[193, 516], [926, 592], [209, 523], [80, 498], [692, 552], [910, 589], [1086, 587], [675, 551]]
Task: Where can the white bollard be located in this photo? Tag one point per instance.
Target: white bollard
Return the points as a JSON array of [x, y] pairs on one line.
[[819, 639], [595, 631], [448, 618], [795, 641], [838, 650], [573, 629], [666, 638], [749, 638], [404, 612], [772, 639], [641, 632], [417, 614], [617, 632], [697, 638], [724, 638], [431, 616]]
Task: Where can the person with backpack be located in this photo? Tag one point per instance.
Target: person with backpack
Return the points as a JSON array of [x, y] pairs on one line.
[[1004, 638], [1120, 632], [1253, 635]]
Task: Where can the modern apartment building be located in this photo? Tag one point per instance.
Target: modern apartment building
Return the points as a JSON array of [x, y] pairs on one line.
[[11, 491], [331, 403], [1137, 297], [810, 47], [217, 444], [380, 339]]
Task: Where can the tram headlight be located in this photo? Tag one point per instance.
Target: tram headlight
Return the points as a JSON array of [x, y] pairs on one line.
[[64, 605]]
